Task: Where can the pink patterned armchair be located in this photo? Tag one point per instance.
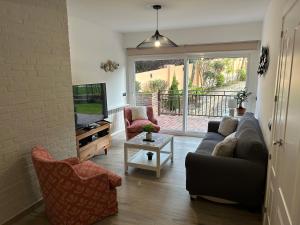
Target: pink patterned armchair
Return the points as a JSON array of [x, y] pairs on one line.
[[75, 193], [135, 127]]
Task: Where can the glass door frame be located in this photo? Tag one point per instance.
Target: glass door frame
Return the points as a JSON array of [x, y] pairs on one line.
[[251, 55]]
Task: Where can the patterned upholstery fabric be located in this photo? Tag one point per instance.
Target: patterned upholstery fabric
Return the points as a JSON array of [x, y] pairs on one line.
[[89, 169], [135, 127], [75, 193]]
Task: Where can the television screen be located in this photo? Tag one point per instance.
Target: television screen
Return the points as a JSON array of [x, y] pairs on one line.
[[89, 104]]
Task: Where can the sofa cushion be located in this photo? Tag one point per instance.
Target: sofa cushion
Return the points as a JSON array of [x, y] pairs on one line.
[[227, 126], [210, 140], [213, 136], [226, 147], [206, 147], [138, 126], [250, 146]]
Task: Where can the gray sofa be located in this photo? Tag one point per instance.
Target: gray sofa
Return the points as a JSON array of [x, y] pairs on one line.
[[239, 179]]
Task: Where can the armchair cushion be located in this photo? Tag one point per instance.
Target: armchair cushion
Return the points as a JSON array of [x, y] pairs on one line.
[[139, 113], [88, 169], [138, 125]]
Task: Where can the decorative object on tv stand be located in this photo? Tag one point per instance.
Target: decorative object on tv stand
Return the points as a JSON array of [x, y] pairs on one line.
[[157, 40], [109, 66], [149, 129], [231, 105], [263, 61], [241, 96]]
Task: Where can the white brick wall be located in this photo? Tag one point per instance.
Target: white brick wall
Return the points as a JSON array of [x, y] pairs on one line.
[[35, 95]]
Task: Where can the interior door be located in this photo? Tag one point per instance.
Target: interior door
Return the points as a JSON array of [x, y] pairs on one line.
[[283, 195]]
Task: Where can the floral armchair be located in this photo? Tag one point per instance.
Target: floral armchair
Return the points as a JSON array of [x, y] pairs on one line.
[[75, 192], [135, 127]]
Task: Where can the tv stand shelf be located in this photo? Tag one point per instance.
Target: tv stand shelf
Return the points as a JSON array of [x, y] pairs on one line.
[[93, 141]]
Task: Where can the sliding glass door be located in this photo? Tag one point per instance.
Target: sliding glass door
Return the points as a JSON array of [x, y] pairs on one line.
[[186, 92]]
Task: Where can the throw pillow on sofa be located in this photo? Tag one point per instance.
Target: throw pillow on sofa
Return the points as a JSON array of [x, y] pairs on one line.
[[230, 136], [225, 148], [139, 113], [227, 126]]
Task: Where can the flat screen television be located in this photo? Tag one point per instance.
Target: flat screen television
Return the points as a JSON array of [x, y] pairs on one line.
[[90, 104]]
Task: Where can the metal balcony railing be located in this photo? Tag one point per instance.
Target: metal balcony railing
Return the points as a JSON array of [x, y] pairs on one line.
[[200, 103]]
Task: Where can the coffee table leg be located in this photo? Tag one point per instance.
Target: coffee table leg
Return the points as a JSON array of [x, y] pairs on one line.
[[172, 149], [158, 164], [125, 159]]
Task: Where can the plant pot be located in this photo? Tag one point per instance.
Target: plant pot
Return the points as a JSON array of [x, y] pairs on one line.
[[149, 136], [240, 111], [149, 155]]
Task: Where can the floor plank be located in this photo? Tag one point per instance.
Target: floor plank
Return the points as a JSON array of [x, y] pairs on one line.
[[146, 200]]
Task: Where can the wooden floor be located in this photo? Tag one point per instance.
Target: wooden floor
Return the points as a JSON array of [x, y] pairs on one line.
[[146, 200]]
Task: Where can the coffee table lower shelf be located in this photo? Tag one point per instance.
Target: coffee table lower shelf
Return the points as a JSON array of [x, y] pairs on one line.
[[140, 160]]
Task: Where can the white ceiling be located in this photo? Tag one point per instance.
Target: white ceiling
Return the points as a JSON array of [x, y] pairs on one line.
[[138, 15]]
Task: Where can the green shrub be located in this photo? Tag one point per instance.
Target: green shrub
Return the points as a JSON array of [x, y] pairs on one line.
[[242, 75], [197, 90], [137, 86], [173, 95], [220, 79], [218, 66], [156, 85]]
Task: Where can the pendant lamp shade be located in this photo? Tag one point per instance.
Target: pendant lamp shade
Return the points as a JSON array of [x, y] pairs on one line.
[[157, 40]]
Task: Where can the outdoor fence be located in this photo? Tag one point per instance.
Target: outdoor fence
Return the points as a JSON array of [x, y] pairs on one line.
[[208, 103]]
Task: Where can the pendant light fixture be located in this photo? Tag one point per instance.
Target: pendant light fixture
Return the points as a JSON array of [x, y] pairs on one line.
[[157, 40]]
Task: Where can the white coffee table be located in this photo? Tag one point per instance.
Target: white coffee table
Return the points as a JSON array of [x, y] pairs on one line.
[[140, 159]]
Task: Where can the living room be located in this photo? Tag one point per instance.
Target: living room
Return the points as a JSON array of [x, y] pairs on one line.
[[50, 49]]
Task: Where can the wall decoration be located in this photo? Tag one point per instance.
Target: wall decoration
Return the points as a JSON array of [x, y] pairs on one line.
[[264, 61], [109, 66]]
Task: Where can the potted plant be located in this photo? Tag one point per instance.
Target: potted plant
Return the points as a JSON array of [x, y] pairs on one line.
[[241, 96], [149, 129]]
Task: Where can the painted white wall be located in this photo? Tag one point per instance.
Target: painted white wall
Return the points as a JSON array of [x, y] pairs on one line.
[[266, 84], [91, 44], [211, 34]]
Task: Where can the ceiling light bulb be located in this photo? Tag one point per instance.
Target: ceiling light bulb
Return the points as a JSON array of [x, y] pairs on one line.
[[157, 43]]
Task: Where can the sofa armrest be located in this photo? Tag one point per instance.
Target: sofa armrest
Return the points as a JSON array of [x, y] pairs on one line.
[[229, 178], [213, 126]]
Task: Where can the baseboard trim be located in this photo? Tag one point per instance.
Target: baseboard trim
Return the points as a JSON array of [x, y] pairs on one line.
[[23, 213]]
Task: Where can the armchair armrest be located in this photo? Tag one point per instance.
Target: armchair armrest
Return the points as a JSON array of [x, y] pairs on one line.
[[72, 161], [88, 169], [153, 120], [213, 126], [114, 179], [98, 182], [230, 178], [127, 123]]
